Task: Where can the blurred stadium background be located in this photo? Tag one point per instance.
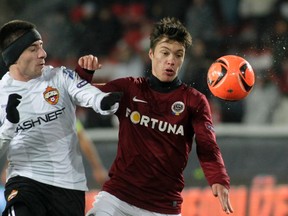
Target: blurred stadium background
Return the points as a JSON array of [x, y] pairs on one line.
[[252, 133]]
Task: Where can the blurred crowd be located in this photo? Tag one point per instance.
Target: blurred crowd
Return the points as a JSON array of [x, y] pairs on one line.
[[117, 32]]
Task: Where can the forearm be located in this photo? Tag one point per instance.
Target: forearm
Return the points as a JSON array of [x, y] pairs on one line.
[[90, 151], [215, 173], [84, 73], [212, 163], [86, 95]]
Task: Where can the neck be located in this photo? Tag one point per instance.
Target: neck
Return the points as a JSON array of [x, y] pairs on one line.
[[163, 87], [18, 77], [16, 74]]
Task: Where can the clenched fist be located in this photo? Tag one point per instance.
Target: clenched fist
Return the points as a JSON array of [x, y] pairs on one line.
[[110, 100]]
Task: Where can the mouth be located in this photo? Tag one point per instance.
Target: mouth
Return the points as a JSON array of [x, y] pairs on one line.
[[169, 71], [42, 64]]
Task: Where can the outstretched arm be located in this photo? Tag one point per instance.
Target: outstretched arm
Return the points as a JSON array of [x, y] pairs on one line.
[[86, 66]]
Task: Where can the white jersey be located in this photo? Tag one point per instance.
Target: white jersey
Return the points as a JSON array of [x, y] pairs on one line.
[[44, 146]]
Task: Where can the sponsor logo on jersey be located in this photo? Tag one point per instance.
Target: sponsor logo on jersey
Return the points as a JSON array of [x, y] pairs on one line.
[[69, 72], [40, 120], [177, 107], [210, 127], [12, 195], [135, 99], [81, 83], [156, 124], [51, 95]]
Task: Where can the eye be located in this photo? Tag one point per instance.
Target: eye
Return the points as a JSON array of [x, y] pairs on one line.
[[32, 48]]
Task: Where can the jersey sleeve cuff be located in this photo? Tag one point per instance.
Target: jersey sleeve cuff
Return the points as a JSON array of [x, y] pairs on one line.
[[97, 106]]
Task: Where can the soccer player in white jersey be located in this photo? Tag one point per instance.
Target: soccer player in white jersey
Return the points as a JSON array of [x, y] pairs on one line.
[[45, 174]]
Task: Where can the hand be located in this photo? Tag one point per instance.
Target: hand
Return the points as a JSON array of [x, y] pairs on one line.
[[89, 63], [11, 109], [110, 100], [222, 193]]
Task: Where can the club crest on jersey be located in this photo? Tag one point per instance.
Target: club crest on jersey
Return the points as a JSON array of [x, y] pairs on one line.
[[12, 195], [177, 108], [51, 95]]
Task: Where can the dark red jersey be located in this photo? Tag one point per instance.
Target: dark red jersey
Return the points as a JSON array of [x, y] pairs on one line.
[[155, 137]]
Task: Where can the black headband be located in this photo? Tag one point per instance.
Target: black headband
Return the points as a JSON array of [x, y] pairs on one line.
[[15, 49]]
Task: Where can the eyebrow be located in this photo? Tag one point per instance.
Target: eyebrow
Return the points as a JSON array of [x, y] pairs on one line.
[[165, 47], [36, 43]]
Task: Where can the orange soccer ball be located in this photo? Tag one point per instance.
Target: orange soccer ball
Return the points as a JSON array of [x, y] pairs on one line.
[[230, 78]]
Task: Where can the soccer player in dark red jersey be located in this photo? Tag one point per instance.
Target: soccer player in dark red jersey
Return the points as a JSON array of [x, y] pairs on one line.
[[158, 118]]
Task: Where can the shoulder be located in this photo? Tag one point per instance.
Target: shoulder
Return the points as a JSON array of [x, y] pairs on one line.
[[131, 83], [192, 91], [6, 80], [125, 84], [50, 72], [135, 80], [128, 81], [194, 96]]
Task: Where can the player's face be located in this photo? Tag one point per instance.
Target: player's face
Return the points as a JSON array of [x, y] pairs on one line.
[[167, 59], [31, 62]]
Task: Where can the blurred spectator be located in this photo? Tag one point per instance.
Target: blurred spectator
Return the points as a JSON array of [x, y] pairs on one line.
[[200, 20], [282, 8], [163, 8], [230, 16], [97, 28], [196, 67], [230, 112], [279, 42], [259, 12], [52, 18], [260, 104], [280, 113]]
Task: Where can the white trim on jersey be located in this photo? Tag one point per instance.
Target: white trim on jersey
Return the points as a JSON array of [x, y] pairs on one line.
[[11, 211]]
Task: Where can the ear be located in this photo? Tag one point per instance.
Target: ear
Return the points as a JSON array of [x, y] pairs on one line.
[[150, 54]]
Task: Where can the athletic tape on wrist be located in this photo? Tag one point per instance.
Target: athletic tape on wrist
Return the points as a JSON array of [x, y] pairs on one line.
[[14, 50]]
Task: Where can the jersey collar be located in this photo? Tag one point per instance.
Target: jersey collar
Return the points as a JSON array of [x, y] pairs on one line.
[[163, 87]]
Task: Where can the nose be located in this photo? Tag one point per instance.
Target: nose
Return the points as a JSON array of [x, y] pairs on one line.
[[42, 53], [171, 60]]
